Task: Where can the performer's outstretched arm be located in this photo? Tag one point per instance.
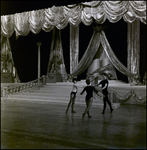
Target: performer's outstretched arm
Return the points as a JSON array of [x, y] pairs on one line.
[[82, 91]]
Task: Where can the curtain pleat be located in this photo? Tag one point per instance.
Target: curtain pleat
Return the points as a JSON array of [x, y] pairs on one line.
[[56, 61], [112, 57], [73, 13], [36, 20], [21, 24], [74, 47], [7, 25], [6, 58], [89, 54]]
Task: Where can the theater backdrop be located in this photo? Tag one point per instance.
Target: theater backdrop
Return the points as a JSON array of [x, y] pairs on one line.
[[77, 38]]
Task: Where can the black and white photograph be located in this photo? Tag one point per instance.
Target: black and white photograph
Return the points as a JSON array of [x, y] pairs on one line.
[[73, 74]]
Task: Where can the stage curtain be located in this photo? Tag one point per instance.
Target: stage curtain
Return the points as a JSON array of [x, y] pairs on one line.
[[89, 54], [74, 47], [133, 57], [21, 24], [56, 62], [7, 63], [7, 25], [135, 9], [73, 13], [112, 57], [36, 20], [97, 39], [59, 17], [55, 16]]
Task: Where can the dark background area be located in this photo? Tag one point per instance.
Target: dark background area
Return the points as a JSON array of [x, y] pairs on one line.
[[25, 49]]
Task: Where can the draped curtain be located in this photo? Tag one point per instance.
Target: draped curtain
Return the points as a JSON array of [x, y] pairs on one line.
[[112, 57], [56, 61], [7, 63], [98, 38], [59, 17], [89, 54]]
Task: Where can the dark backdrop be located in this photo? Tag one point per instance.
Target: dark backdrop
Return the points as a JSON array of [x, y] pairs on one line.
[[25, 49]]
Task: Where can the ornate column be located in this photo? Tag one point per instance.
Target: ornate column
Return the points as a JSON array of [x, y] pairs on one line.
[[39, 44], [74, 47], [133, 48]]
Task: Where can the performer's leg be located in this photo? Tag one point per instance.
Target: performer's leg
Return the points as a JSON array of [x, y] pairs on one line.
[[88, 105], [85, 108], [104, 107], [72, 105], [109, 103], [71, 97]]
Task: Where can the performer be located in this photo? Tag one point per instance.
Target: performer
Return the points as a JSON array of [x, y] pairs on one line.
[[73, 96], [104, 84], [89, 97]]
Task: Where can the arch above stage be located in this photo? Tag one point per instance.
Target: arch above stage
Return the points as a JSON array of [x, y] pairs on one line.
[[59, 17]]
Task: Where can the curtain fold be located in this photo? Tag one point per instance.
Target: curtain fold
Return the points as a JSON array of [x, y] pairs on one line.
[[112, 57], [21, 24], [7, 63], [7, 25], [56, 62], [55, 16], [136, 10], [59, 17], [74, 47], [73, 13], [36, 20], [89, 54]]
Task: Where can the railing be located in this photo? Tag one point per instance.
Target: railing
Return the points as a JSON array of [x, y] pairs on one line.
[[5, 91], [127, 97], [115, 98]]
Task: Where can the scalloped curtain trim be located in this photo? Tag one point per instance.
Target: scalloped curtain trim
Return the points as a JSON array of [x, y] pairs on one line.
[[47, 19]]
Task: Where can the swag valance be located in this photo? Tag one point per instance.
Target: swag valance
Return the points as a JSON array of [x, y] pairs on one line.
[[47, 19]]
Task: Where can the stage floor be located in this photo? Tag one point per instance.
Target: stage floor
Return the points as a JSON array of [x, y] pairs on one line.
[[46, 126]]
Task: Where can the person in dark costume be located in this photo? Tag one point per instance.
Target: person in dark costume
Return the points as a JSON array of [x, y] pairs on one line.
[[89, 97], [104, 84], [72, 96]]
